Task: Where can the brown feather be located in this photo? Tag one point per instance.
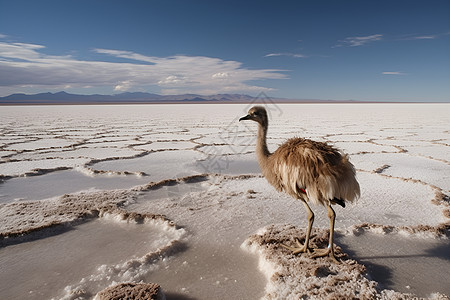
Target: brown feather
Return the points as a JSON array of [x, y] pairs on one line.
[[324, 172]]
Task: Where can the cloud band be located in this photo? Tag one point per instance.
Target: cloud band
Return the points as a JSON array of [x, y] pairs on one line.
[[24, 64]]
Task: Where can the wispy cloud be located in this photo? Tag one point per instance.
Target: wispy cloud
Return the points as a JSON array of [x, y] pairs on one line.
[[356, 41], [24, 65], [424, 37], [295, 55], [409, 37], [393, 73]]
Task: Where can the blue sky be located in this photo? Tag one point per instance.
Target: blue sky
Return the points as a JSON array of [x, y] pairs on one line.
[[362, 50]]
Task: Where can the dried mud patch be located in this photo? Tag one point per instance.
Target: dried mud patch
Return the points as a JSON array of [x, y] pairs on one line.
[[439, 231], [141, 291], [300, 277]]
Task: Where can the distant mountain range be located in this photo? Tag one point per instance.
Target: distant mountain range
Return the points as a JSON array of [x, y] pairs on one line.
[[138, 97]]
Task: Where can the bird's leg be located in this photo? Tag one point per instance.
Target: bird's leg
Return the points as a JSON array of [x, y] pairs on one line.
[[305, 247], [330, 250]]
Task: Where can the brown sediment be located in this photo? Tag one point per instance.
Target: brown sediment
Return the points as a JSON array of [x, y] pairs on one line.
[[359, 229], [138, 291], [441, 230], [116, 172], [301, 277], [141, 154], [242, 176], [94, 161], [174, 181], [34, 172], [37, 172], [4, 177], [437, 159], [401, 150], [446, 213], [381, 169], [250, 194], [194, 178], [141, 217], [441, 199]]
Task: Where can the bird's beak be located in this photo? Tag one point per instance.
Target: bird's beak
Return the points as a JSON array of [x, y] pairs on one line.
[[247, 117]]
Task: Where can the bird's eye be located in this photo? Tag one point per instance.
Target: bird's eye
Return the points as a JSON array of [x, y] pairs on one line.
[[255, 113]]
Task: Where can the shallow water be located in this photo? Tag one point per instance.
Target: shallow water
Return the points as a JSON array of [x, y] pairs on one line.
[[42, 268], [210, 270], [411, 265], [56, 184], [213, 266]]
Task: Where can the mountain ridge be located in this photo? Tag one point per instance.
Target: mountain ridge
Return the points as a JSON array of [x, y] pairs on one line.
[[63, 97]]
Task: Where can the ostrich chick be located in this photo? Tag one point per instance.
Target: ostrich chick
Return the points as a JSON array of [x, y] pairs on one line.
[[313, 172]]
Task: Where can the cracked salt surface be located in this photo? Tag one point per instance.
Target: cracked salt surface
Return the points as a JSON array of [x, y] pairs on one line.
[[405, 166], [401, 153], [157, 165]]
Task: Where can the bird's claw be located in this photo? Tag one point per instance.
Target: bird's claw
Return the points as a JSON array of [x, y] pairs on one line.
[[301, 248], [325, 252]]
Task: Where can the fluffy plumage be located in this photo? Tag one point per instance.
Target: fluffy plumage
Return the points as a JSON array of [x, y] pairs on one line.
[[319, 169], [306, 170]]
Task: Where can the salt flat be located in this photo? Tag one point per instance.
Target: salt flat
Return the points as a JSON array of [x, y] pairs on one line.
[[82, 166]]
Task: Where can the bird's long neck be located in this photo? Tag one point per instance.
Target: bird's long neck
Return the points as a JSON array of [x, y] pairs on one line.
[[261, 145]]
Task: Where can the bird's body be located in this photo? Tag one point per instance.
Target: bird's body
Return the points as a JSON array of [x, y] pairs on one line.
[[311, 171]]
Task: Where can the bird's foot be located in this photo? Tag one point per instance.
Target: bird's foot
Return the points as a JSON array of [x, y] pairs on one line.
[[325, 252], [301, 248]]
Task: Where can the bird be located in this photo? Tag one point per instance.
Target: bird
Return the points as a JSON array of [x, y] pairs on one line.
[[311, 171]]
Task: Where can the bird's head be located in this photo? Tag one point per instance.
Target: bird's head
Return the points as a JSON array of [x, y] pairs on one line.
[[257, 114]]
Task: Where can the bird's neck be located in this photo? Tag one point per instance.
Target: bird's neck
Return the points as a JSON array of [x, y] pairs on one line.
[[261, 145]]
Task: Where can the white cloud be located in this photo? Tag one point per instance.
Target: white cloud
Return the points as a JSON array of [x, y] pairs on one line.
[[358, 40], [25, 65], [221, 75], [19, 51], [172, 80], [123, 86], [295, 55], [393, 73]]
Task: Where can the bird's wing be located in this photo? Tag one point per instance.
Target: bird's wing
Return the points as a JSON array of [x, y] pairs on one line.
[[308, 165], [297, 173]]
